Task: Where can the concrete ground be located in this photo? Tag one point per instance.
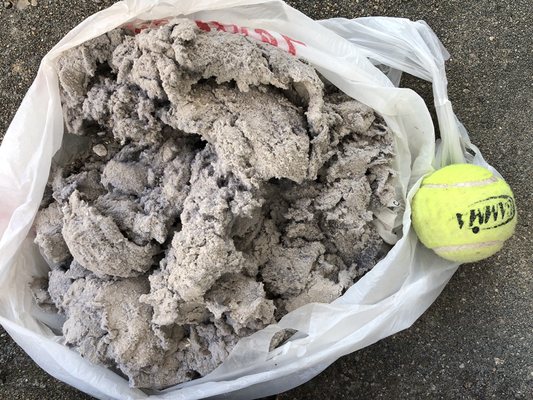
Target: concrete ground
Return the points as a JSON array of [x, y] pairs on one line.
[[475, 341]]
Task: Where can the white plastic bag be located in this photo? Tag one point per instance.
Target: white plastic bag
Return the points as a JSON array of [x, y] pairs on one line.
[[386, 300]]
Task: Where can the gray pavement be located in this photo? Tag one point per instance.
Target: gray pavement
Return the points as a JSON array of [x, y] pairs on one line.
[[475, 341]]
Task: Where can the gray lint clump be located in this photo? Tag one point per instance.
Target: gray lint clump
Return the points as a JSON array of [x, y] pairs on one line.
[[223, 185]]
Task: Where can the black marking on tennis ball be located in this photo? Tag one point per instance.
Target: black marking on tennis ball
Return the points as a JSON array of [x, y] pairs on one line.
[[489, 213]]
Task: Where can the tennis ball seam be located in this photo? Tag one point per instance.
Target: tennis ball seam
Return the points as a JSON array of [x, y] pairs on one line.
[[484, 182], [469, 246]]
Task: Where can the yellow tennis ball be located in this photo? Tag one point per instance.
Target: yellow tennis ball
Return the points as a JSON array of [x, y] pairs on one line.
[[464, 213]]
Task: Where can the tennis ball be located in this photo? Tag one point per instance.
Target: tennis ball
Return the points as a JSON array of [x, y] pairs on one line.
[[464, 213]]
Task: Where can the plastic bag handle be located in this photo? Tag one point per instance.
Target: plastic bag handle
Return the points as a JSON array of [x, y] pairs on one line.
[[414, 48]]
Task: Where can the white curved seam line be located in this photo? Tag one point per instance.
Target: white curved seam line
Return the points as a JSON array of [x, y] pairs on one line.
[[484, 182], [468, 246]]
